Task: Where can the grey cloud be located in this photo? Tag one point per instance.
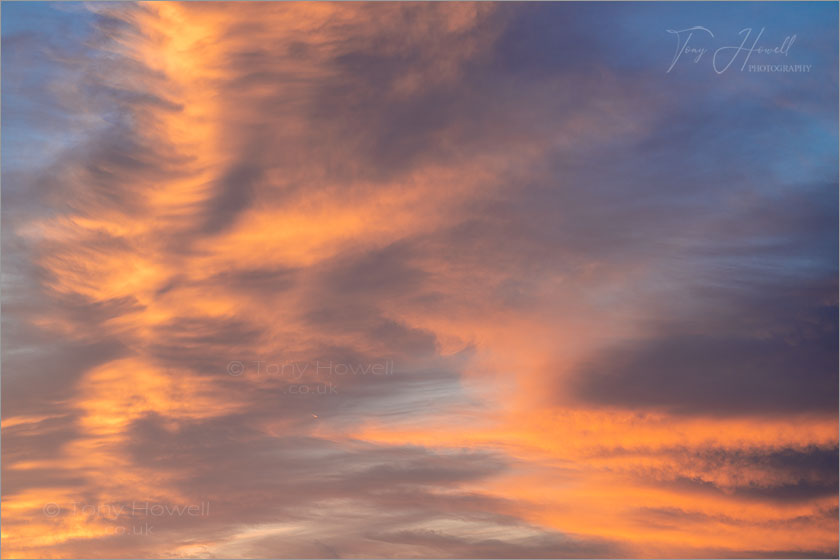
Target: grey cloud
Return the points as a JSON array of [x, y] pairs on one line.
[[775, 475]]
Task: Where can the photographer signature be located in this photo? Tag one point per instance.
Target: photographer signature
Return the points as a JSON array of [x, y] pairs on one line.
[[724, 57]]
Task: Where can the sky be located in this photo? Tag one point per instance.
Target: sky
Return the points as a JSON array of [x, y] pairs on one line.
[[419, 280]]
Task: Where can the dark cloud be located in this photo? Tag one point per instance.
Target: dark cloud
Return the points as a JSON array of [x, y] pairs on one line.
[[775, 475], [234, 192], [777, 356], [761, 333]]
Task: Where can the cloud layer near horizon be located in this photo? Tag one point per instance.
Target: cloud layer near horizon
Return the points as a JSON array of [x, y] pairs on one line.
[[416, 280]]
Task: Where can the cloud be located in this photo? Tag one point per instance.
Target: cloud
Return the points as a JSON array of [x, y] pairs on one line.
[[558, 248], [763, 342]]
